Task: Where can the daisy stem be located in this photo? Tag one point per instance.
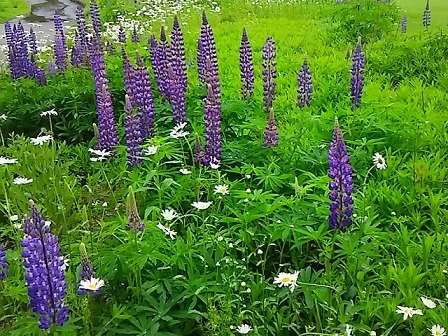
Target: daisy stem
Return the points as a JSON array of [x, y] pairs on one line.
[[91, 313]]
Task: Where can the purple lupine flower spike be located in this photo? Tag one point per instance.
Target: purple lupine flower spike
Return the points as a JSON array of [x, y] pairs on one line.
[[51, 68], [203, 49], [341, 185], [200, 60], [246, 67], [134, 221], [4, 268], [357, 78], [45, 276], [176, 97], [82, 33], [211, 73], [87, 271], [271, 131], [135, 37], [134, 137], [95, 15], [213, 137], [32, 41], [427, 16], [404, 24], [156, 63], [128, 75], [163, 56], [177, 55], [269, 74], [121, 35], [60, 53], [76, 53], [199, 153], [305, 89]]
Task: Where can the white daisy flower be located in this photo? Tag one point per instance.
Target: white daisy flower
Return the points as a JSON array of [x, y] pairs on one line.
[[98, 159], [259, 251], [151, 150], [4, 160], [49, 113], [172, 234], [214, 165], [201, 205], [13, 218], [244, 329], [248, 190], [408, 312], [437, 330], [104, 204], [287, 280], [428, 303], [100, 152], [222, 189], [41, 140], [92, 284], [3, 117], [379, 161], [185, 171], [169, 215], [65, 263], [178, 131], [22, 180], [18, 225]]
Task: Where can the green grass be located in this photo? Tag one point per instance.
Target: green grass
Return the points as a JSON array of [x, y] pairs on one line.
[[9, 9], [413, 9]]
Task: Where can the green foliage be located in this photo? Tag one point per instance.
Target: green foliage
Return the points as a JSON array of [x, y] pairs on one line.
[[12, 8]]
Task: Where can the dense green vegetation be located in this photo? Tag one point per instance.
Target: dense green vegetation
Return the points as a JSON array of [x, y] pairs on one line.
[[218, 272], [9, 9]]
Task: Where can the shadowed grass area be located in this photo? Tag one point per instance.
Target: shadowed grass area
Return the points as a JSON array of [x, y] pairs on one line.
[[413, 9], [9, 9]]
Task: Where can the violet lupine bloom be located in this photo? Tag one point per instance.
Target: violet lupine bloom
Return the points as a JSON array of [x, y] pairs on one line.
[[200, 60], [128, 75], [177, 97], [404, 24], [82, 33], [269, 74], [427, 16], [144, 99], [357, 79], [59, 28], [177, 55], [246, 66], [21, 49], [60, 53], [271, 131], [76, 54], [163, 60], [106, 123], [341, 186], [32, 41], [212, 116], [134, 137], [135, 37], [96, 22], [305, 89], [199, 153], [134, 221], [45, 277], [156, 61], [211, 72], [3, 263], [51, 68], [121, 35], [87, 271]]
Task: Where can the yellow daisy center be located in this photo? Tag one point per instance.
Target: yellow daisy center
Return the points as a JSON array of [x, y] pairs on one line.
[[92, 286], [286, 279]]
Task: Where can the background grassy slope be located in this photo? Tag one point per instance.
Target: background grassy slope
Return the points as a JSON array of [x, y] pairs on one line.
[[9, 9], [414, 10]]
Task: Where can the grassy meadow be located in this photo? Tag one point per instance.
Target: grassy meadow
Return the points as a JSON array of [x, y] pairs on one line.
[[9, 9], [260, 259]]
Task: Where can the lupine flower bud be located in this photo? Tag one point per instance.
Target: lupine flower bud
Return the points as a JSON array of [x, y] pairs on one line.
[[427, 16], [135, 37], [404, 24], [341, 186], [212, 116], [177, 55], [44, 271], [59, 28], [163, 57], [32, 40], [121, 35], [134, 221], [51, 68], [199, 153], [246, 67], [210, 72], [87, 271], [3, 263], [96, 22], [269, 74], [82, 33], [134, 137], [76, 55], [305, 89], [357, 79], [271, 132], [60, 53]]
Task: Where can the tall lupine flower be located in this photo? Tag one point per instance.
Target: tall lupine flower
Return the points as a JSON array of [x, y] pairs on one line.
[[128, 75], [177, 55], [134, 221], [211, 73], [199, 153], [163, 57], [134, 137], [404, 24], [200, 60], [357, 79], [305, 89], [144, 99], [135, 37], [427, 16], [176, 97], [3, 263], [121, 35], [156, 61], [13, 59], [106, 123], [341, 186], [51, 68], [96, 22], [212, 116], [59, 28], [45, 277], [21, 49], [32, 41], [87, 272], [82, 33], [269, 74], [60, 52], [246, 66], [271, 131], [76, 55]]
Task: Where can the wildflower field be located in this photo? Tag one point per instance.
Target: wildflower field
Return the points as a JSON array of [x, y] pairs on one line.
[[227, 167]]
